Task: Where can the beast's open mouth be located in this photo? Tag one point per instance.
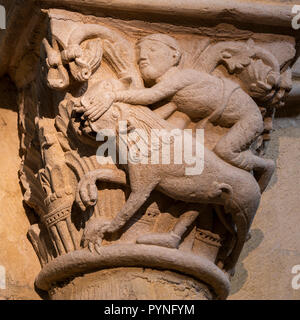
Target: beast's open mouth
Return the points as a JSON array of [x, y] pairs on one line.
[[81, 125]]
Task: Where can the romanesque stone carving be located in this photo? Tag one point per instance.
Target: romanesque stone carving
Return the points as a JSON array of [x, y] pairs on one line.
[[104, 72]]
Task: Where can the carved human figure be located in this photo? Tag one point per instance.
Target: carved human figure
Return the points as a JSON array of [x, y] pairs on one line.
[[200, 96]]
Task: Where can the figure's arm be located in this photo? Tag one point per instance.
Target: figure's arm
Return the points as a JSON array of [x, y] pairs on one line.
[[164, 89], [144, 97]]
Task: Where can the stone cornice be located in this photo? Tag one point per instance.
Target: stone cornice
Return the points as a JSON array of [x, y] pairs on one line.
[[267, 13], [268, 16]]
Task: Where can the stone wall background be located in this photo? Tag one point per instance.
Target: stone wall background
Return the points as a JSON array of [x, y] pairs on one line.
[[264, 270], [16, 252]]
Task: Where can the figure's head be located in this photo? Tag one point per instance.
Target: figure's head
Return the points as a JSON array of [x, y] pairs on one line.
[[157, 53]]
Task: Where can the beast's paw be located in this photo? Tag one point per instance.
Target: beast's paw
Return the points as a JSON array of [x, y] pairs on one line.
[[94, 234]]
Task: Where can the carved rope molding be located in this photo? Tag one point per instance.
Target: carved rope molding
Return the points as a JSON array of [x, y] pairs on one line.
[[96, 71]]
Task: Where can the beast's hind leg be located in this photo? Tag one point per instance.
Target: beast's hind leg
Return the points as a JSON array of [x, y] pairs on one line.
[[171, 239], [242, 204], [233, 148]]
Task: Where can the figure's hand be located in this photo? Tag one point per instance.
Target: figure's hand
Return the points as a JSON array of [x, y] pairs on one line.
[[94, 233], [97, 105]]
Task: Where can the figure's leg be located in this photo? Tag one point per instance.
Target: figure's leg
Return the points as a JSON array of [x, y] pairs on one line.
[[171, 239], [232, 146]]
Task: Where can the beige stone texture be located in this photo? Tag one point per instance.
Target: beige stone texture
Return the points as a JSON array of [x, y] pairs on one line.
[[265, 267], [16, 253]]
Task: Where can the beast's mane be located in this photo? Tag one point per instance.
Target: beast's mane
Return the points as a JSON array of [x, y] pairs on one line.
[[147, 119]]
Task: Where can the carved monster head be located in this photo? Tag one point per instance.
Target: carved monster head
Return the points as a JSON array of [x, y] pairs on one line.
[[157, 53], [283, 90], [258, 70], [84, 59], [115, 120], [94, 98]]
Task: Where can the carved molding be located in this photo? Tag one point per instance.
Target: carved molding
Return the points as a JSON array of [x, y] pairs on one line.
[[278, 14]]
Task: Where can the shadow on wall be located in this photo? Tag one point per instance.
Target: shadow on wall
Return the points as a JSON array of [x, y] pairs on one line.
[[286, 117], [8, 101], [241, 273], [8, 93]]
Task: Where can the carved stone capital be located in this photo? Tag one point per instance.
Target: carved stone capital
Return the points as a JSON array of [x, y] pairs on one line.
[[109, 83]]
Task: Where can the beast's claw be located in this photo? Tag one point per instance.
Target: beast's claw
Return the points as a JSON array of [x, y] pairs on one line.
[[94, 233], [91, 247], [98, 246]]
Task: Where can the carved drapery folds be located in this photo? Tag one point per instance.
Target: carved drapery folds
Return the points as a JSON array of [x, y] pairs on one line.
[[95, 72]]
